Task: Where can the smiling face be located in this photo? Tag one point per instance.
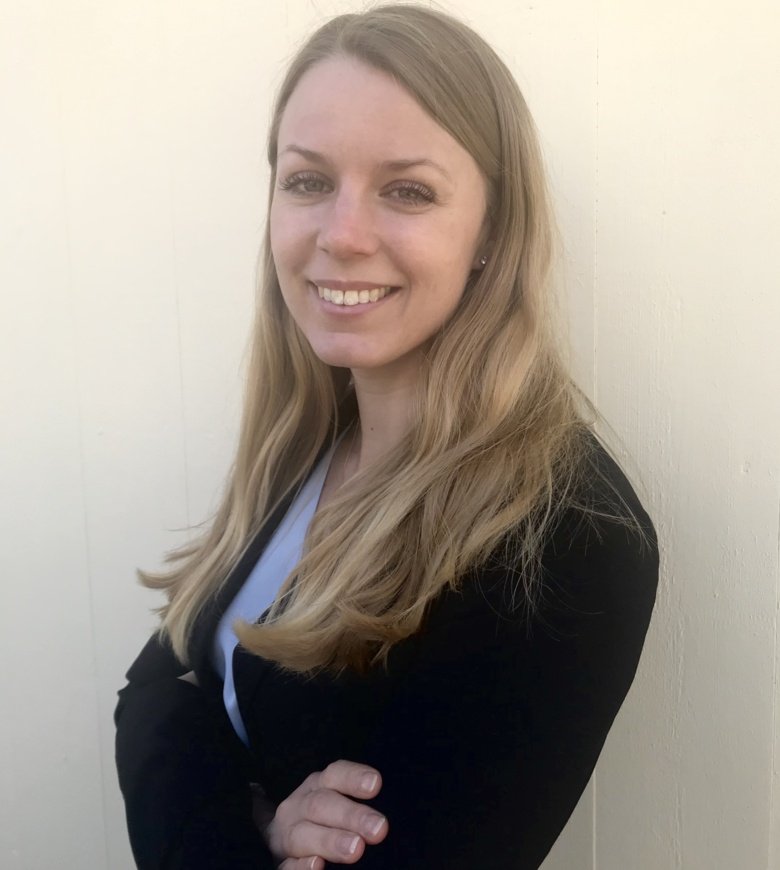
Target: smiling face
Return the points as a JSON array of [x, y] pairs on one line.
[[377, 209]]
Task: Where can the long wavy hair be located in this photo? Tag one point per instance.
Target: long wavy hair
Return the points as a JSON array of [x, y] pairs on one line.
[[498, 439]]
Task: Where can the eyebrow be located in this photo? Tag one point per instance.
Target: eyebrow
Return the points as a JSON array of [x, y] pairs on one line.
[[392, 165]]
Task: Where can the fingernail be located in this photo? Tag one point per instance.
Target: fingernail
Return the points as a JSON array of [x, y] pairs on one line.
[[369, 781], [348, 845], [373, 824]]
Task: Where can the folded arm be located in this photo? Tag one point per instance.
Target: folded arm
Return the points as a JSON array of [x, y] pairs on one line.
[[490, 744], [183, 773]]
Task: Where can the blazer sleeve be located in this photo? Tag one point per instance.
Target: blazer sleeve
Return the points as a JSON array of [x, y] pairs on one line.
[[183, 773], [488, 746]]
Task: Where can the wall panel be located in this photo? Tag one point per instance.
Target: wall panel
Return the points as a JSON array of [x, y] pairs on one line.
[[686, 312], [133, 207], [49, 749]]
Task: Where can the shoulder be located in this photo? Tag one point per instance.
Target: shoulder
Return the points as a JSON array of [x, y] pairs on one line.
[[606, 490], [575, 653], [582, 640], [598, 561], [604, 538]]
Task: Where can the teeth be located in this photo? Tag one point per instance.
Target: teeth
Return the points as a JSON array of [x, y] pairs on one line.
[[353, 297]]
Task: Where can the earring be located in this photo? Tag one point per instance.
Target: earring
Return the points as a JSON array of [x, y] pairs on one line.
[[483, 261]]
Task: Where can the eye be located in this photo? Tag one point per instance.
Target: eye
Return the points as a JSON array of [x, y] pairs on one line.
[[303, 184], [413, 193]]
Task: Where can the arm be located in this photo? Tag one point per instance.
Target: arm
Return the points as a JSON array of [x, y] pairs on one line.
[[489, 745], [183, 773]]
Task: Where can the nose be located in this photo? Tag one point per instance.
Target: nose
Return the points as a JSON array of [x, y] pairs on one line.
[[347, 228]]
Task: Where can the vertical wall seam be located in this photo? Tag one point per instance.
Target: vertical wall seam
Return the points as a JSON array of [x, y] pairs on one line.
[[594, 373], [594, 361], [773, 772], [82, 460], [594, 830], [176, 283]]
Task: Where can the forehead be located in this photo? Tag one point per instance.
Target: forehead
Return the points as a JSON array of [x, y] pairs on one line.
[[343, 105]]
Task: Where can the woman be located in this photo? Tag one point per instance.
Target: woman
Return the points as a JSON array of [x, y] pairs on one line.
[[440, 581]]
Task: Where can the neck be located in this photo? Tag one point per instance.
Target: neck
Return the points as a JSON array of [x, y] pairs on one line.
[[385, 405]]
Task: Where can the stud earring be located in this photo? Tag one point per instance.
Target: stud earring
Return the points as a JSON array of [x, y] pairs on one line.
[[483, 261]]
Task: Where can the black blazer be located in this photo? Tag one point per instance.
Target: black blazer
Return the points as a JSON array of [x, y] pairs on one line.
[[485, 727]]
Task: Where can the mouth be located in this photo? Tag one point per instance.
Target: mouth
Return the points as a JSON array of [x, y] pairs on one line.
[[352, 295]]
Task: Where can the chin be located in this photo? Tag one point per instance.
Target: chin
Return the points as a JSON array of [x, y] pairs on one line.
[[349, 361], [347, 358]]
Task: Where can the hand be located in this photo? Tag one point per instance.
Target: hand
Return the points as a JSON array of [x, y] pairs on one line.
[[318, 822]]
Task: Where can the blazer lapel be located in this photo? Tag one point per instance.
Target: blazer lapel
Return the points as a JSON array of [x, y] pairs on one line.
[[206, 624]]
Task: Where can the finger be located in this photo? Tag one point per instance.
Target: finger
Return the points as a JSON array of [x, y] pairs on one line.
[[313, 863], [351, 778], [331, 809], [332, 844]]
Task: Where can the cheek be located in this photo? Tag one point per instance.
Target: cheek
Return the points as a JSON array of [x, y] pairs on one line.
[[275, 233], [445, 247], [464, 226], [424, 247], [286, 234]]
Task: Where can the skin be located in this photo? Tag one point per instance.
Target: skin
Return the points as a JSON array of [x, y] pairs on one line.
[[318, 820], [341, 212]]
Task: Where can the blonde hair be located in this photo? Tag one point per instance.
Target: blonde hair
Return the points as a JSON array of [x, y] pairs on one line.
[[497, 446]]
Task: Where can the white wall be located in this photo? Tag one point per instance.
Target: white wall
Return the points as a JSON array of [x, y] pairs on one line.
[[132, 204]]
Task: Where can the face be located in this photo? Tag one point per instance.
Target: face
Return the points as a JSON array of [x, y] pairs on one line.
[[377, 209]]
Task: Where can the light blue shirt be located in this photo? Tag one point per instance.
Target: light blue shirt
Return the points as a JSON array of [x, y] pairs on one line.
[[281, 555]]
